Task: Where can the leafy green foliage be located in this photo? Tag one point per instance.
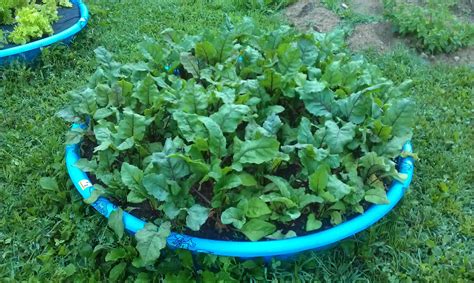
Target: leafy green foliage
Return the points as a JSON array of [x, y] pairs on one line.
[[312, 223], [8, 9], [232, 110], [256, 229], [151, 240], [55, 237], [116, 222], [197, 215], [31, 20], [434, 26]]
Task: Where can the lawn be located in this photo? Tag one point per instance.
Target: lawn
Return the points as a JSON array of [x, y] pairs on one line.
[[47, 233]]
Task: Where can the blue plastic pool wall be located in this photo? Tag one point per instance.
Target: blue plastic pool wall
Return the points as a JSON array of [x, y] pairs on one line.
[[316, 241], [30, 51]]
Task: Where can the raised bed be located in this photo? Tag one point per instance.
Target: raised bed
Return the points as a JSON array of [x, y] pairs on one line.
[[267, 248], [72, 20]]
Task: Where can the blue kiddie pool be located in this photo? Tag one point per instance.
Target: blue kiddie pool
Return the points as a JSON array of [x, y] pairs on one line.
[[267, 248], [71, 21]]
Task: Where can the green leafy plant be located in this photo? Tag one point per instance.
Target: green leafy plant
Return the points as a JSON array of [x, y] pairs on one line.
[[434, 26], [32, 20], [245, 132], [427, 239]]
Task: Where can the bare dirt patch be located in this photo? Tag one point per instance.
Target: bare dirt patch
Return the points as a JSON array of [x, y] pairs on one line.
[[465, 10], [367, 7], [374, 35], [461, 56], [308, 14]]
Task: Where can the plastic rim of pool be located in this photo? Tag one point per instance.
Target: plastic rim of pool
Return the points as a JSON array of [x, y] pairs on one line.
[[315, 241], [31, 50]]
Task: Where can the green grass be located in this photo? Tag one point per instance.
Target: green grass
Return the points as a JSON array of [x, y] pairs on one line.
[[262, 5], [50, 235]]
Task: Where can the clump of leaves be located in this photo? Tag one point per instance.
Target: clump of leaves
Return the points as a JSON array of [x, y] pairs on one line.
[[434, 26], [32, 20], [246, 130]]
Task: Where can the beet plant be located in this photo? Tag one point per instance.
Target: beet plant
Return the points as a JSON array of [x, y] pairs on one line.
[[240, 133]]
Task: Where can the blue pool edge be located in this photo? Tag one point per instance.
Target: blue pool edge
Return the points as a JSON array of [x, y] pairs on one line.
[[315, 241]]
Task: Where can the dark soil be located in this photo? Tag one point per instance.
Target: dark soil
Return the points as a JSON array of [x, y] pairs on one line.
[[144, 210], [87, 150]]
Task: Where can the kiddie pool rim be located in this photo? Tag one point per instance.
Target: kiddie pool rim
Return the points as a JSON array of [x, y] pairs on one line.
[[315, 241], [38, 44]]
